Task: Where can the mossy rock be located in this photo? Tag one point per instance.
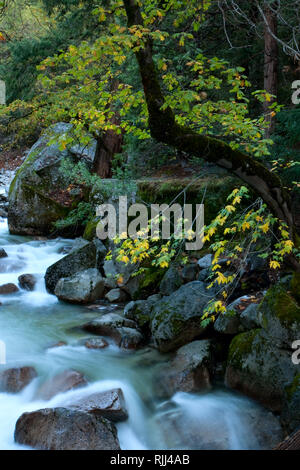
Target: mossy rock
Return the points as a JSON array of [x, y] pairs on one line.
[[280, 314], [260, 369], [38, 195], [90, 230], [291, 411]]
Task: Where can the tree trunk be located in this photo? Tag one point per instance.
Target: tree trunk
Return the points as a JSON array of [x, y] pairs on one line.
[[163, 128], [107, 146], [270, 65]]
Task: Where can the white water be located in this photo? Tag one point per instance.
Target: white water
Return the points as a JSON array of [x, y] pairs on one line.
[[30, 322]]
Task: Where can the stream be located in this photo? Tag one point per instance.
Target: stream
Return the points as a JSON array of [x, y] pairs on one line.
[[32, 322]]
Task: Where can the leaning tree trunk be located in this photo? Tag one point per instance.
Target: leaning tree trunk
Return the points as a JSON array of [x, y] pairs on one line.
[[164, 128], [107, 146], [270, 65]]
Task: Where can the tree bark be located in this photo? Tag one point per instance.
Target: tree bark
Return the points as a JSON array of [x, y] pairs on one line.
[[163, 127], [107, 146], [270, 65]]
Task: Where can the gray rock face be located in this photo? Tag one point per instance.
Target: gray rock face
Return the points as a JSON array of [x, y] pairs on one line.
[[27, 281], [260, 369], [122, 330], [170, 282], [176, 319], [238, 318], [116, 295], [89, 256], [16, 379], [110, 405], [205, 262], [190, 272], [189, 371], [66, 429], [290, 416], [82, 288], [35, 195], [63, 382]]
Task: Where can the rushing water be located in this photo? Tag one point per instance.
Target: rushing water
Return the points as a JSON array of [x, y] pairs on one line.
[[31, 322]]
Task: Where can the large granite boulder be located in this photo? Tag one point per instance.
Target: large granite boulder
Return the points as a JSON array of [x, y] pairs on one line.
[[66, 429], [16, 379], [81, 288], [37, 195], [176, 319], [89, 256]]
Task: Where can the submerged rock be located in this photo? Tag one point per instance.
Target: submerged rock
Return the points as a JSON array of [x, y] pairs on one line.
[[16, 379], [189, 371], [82, 288], [8, 288], [89, 256], [95, 343], [27, 281], [61, 383], [66, 429], [109, 404]]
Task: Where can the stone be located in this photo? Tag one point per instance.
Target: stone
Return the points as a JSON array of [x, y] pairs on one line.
[[3, 253], [205, 261], [16, 379], [61, 383], [37, 194], [27, 281], [89, 256], [109, 404], [116, 295], [189, 371], [8, 288], [170, 282], [66, 429], [82, 288], [95, 343], [189, 272], [176, 319]]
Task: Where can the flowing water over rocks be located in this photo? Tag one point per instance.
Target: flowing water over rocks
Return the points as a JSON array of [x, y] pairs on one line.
[[41, 332]]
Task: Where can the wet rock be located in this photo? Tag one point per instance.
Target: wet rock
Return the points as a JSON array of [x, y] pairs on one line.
[[3, 253], [59, 344], [205, 262], [170, 282], [78, 244], [63, 382], [95, 343], [83, 287], [176, 319], [9, 288], [37, 194], [122, 330], [189, 371], [109, 404], [190, 272], [290, 416], [257, 367], [66, 429], [27, 281], [16, 379], [90, 256], [116, 295]]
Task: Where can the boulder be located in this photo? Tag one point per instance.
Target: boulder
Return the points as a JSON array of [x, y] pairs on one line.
[[260, 369], [176, 319], [95, 343], [37, 194], [170, 282], [189, 371], [109, 404], [16, 379], [66, 429], [290, 416], [8, 288], [205, 262], [89, 256], [27, 281], [63, 382], [116, 295], [189, 272], [3, 253], [81, 288]]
